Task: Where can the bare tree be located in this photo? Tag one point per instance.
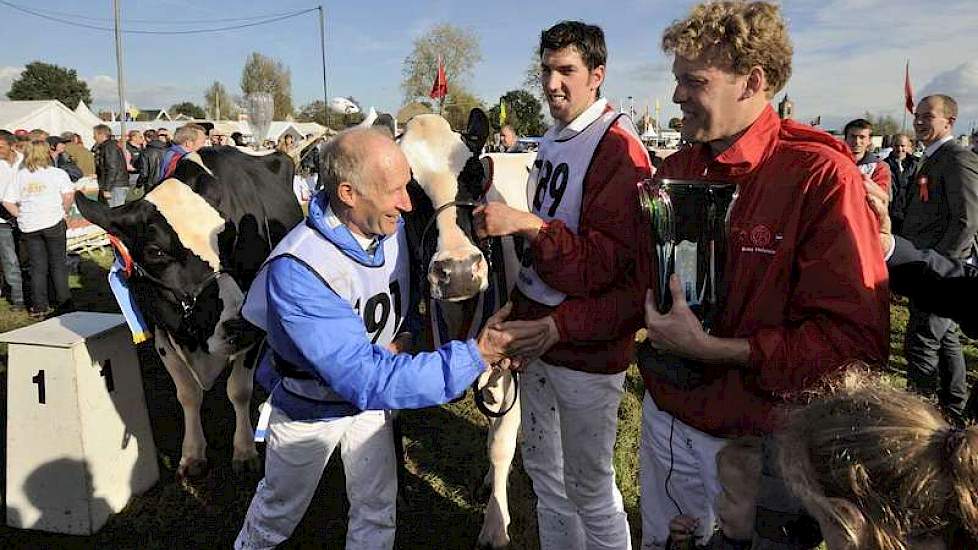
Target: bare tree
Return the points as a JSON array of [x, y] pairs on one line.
[[264, 74], [459, 49]]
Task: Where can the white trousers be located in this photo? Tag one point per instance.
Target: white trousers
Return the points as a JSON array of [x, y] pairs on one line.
[[693, 482], [295, 458], [570, 420]]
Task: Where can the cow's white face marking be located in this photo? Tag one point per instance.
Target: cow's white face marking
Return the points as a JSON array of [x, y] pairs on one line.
[[195, 222], [437, 156]]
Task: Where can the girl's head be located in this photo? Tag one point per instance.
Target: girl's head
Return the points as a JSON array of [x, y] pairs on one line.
[[37, 155], [881, 469]]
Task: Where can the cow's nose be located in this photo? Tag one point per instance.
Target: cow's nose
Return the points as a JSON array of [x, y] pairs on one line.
[[454, 279]]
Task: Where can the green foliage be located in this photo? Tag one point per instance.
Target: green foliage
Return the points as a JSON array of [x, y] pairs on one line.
[[41, 80], [220, 103], [675, 123], [458, 103], [524, 113], [192, 110], [883, 125], [458, 48], [264, 74]]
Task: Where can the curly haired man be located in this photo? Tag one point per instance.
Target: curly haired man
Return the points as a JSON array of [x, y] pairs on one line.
[[806, 285]]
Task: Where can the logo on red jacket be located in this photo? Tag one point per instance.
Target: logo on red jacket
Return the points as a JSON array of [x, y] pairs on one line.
[[760, 236]]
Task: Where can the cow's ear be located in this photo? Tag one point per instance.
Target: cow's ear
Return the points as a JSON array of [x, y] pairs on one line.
[[386, 121], [477, 131], [94, 211]]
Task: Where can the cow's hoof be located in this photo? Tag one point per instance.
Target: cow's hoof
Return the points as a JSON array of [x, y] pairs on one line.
[[250, 465], [192, 468]]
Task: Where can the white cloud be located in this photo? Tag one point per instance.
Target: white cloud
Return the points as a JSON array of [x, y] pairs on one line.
[[961, 83], [155, 96], [7, 77]]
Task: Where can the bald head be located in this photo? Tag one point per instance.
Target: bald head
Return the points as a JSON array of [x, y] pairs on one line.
[[359, 156], [365, 176]]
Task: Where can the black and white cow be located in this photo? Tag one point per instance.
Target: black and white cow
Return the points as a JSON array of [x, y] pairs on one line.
[[467, 280], [196, 241]]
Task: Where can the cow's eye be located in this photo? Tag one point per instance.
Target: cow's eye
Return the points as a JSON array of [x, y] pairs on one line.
[[157, 254]]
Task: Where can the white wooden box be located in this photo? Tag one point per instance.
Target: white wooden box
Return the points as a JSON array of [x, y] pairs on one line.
[[79, 442]]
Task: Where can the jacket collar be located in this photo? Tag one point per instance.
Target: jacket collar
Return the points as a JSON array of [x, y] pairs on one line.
[[336, 232], [582, 121]]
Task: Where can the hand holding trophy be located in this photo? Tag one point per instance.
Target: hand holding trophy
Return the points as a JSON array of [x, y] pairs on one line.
[[688, 220]]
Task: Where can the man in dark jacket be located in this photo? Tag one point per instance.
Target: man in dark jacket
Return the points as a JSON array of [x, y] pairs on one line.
[[942, 285], [902, 165], [941, 214], [61, 160], [151, 161], [110, 167]]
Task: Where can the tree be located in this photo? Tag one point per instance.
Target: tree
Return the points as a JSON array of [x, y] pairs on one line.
[[675, 123], [220, 103], [192, 110], [459, 50], [531, 76], [523, 112], [316, 112], [883, 125], [45, 81], [458, 103], [264, 74]]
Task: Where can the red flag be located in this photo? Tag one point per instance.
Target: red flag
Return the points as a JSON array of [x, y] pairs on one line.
[[908, 90], [440, 88]]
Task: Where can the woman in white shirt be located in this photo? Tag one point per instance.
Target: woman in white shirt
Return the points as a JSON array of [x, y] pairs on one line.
[[40, 198]]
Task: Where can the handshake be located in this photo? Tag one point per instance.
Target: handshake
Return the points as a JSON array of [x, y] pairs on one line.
[[513, 344]]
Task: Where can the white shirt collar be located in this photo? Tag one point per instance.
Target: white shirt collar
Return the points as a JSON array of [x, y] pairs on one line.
[[933, 147], [333, 221], [583, 120]]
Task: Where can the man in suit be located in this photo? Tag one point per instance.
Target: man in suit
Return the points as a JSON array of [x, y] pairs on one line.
[[938, 284], [942, 215]]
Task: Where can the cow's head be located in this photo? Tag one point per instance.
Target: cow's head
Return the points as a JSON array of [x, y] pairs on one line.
[[176, 276], [450, 180]]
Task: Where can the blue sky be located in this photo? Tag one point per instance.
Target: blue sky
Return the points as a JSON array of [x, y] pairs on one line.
[[849, 54]]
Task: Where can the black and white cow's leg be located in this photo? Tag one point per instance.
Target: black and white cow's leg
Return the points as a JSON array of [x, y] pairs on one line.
[[501, 443], [193, 458], [239, 389]]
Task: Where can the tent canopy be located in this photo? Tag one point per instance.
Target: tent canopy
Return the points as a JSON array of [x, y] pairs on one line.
[[48, 115]]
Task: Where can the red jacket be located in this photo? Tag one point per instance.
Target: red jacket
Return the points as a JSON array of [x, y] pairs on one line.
[[806, 278], [596, 268]]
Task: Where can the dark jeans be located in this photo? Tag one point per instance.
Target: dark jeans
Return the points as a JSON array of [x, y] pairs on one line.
[[10, 264], [47, 250], [935, 363]]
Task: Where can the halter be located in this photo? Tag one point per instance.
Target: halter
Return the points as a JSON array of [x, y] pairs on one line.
[[187, 300], [427, 253]]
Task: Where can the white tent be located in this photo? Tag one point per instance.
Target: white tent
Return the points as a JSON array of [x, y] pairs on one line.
[[48, 115], [86, 114]]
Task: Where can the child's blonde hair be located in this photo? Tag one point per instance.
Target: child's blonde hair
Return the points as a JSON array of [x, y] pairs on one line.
[[905, 470]]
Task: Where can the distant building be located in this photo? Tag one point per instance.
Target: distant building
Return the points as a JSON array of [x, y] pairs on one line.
[[786, 108]]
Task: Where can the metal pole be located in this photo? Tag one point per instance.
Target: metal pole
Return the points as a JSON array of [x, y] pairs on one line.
[[322, 47], [118, 68]]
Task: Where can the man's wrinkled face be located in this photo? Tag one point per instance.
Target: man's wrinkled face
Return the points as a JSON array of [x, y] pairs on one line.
[[859, 141], [709, 98], [930, 122], [377, 208], [569, 86], [507, 137]]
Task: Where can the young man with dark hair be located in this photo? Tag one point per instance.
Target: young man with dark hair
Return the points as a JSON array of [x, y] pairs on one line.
[[858, 136], [576, 285]]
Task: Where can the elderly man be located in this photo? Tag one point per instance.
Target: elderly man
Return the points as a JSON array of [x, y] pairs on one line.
[[573, 292], [331, 380], [941, 214], [508, 140], [110, 167], [806, 282], [902, 167]]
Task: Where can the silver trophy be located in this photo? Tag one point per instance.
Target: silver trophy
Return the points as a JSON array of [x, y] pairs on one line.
[[689, 222], [261, 109]]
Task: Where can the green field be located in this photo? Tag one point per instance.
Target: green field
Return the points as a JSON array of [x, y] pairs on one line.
[[441, 506]]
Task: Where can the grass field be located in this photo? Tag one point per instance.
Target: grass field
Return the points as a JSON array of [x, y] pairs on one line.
[[441, 505]]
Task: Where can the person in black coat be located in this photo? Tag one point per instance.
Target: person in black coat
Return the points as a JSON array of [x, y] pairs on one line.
[[941, 285], [151, 161]]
